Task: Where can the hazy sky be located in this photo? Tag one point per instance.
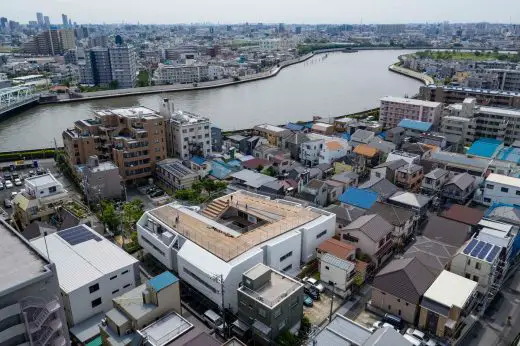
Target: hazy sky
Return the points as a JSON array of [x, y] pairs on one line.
[[267, 11]]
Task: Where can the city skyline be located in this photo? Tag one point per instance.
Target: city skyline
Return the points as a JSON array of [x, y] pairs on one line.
[[270, 11]]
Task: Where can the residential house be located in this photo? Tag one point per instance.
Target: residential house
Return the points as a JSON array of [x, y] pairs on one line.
[[359, 198], [263, 151], [293, 143], [175, 175], [295, 127], [383, 146], [414, 128], [341, 124], [443, 310], [434, 181], [381, 186], [347, 179], [464, 214], [395, 135], [269, 302], [254, 142], [366, 157], [201, 166], [409, 177], [433, 254], [333, 150], [459, 187], [447, 231], [274, 188], [423, 150], [361, 137], [322, 128], [403, 155], [334, 190], [403, 220], [256, 165], [339, 249], [273, 134], [238, 142], [413, 201], [398, 288], [372, 235], [310, 152], [387, 169], [315, 191], [337, 272], [500, 189], [249, 180], [221, 170], [345, 214], [101, 180]]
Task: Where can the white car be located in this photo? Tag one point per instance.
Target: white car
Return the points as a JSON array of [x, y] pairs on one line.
[[319, 286], [381, 324], [416, 334], [1, 185], [13, 194], [9, 184], [17, 182]]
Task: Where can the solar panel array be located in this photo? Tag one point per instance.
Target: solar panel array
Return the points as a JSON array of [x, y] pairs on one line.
[[77, 235], [482, 250]]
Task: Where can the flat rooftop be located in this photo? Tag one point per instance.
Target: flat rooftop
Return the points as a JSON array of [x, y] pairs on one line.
[[165, 330], [271, 128], [275, 290], [226, 243], [20, 262], [41, 180], [414, 102], [81, 256], [129, 112], [461, 289]]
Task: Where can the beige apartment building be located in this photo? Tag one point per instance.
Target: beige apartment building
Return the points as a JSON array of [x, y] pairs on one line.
[[394, 109], [134, 138]]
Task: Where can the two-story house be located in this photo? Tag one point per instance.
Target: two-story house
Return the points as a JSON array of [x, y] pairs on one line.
[[372, 236], [315, 191], [387, 169], [459, 187], [403, 220], [409, 177], [337, 263], [434, 181]]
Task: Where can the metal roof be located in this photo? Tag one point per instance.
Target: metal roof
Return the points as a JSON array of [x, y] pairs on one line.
[[162, 281], [338, 262], [342, 332], [415, 125], [459, 292], [358, 197], [484, 147]]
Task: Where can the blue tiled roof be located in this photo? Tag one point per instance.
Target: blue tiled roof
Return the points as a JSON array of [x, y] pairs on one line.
[[415, 125], [162, 281], [294, 127], [359, 198], [484, 147], [198, 160]]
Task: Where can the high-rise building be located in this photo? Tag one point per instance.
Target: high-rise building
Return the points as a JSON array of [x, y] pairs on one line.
[[51, 42], [30, 299], [394, 109], [187, 134], [3, 23], [97, 69], [46, 21], [123, 62], [65, 20], [39, 18]]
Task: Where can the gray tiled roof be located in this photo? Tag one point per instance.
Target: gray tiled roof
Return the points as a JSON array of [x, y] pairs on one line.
[[397, 216], [436, 173], [380, 185], [374, 226], [405, 278], [462, 180], [447, 231], [395, 164], [432, 253]]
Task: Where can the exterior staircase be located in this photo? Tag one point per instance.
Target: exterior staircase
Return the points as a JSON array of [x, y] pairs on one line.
[[215, 209]]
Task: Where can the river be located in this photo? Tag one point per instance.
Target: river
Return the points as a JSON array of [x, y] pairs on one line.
[[340, 84]]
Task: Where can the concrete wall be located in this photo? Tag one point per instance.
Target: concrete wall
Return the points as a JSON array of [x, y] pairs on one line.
[[394, 305], [464, 265], [495, 195], [274, 250], [313, 236]]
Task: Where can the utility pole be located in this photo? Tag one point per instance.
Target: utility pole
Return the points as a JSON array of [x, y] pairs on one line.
[[221, 280], [331, 302]]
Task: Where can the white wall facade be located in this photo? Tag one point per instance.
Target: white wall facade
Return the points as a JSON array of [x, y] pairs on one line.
[[465, 265], [316, 232], [495, 192], [331, 273], [377, 173], [276, 249]]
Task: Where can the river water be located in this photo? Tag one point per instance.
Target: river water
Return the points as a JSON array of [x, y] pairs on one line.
[[339, 84]]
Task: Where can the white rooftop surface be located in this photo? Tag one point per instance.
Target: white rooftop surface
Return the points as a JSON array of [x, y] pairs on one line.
[[272, 128], [504, 227], [165, 330], [41, 180], [490, 110], [411, 101], [493, 236], [80, 264], [128, 112], [410, 198], [503, 179], [460, 289], [253, 179], [323, 125], [104, 166]]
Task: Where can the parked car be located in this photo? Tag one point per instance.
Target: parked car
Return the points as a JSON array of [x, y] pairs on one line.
[[31, 173], [315, 283], [157, 193], [2, 185], [17, 182], [412, 340], [311, 291], [8, 203], [416, 334], [381, 324], [13, 194], [8, 184], [7, 176], [394, 320], [307, 301], [214, 321], [15, 175]]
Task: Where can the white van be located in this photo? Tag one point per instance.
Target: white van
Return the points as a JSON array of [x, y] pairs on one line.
[[214, 321], [412, 340]]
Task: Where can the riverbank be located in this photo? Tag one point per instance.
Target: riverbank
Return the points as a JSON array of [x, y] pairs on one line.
[[427, 80]]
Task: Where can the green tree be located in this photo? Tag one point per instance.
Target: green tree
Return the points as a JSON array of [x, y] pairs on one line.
[[305, 327], [109, 216], [132, 212], [114, 84], [259, 168], [269, 171], [288, 339]]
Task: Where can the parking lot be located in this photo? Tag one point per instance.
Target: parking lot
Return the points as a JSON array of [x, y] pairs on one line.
[[320, 310]]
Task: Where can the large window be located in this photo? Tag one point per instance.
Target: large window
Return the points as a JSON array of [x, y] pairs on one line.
[[287, 255], [321, 234], [96, 302], [199, 280], [93, 288]]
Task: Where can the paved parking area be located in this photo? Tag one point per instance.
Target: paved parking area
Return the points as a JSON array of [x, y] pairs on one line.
[[366, 318], [320, 311]]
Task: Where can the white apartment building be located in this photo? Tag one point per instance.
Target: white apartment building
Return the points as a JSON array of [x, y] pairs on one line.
[[187, 134], [333, 150], [394, 109], [467, 122], [500, 189], [171, 74], [91, 270], [123, 62], [322, 149], [205, 248]]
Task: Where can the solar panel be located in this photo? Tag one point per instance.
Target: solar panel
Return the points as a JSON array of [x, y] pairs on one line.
[[477, 248], [77, 235], [493, 253], [470, 246], [482, 254]]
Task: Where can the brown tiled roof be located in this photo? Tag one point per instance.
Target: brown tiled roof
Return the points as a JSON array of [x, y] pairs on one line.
[[461, 213], [365, 150], [337, 248], [447, 231]]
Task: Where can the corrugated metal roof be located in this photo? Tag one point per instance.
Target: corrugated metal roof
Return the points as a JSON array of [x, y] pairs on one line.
[[338, 262], [162, 281], [484, 147], [358, 197], [415, 125]]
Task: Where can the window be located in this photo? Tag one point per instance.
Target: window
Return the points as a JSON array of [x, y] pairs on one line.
[[518, 192], [350, 238], [477, 265], [114, 292], [378, 174], [287, 255], [126, 286], [490, 186], [52, 189], [398, 300], [327, 267], [199, 280], [123, 273], [282, 324], [113, 277], [96, 302], [406, 304], [504, 189], [261, 312], [289, 267], [487, 200], [475, 278], [469, 261], [467, 275], [389, 307], [93, 288], [277, 313], [381, 242], [321, 234]]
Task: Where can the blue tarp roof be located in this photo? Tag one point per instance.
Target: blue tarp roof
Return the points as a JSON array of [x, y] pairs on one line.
[[294, 127], [359, 198], [198, 160], [382, 135], [414, 125], [484, 147], [162, 280]]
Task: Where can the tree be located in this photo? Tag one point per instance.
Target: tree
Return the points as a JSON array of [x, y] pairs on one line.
[[109, 216], [269, 171], [259, 168], [132, 212], [287, 339], [305, 327], [113, 84]]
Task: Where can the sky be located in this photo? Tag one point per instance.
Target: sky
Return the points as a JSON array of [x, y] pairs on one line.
[[265, 11]]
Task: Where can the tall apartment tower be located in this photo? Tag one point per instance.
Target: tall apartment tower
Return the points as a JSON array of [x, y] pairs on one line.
[[30, 297], [123, 63], [97, 69], [187, 134], [64, 20], [46, 21], [39, 18]]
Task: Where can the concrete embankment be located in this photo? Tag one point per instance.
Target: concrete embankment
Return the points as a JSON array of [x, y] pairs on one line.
[[186, 87], [412, 74]]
